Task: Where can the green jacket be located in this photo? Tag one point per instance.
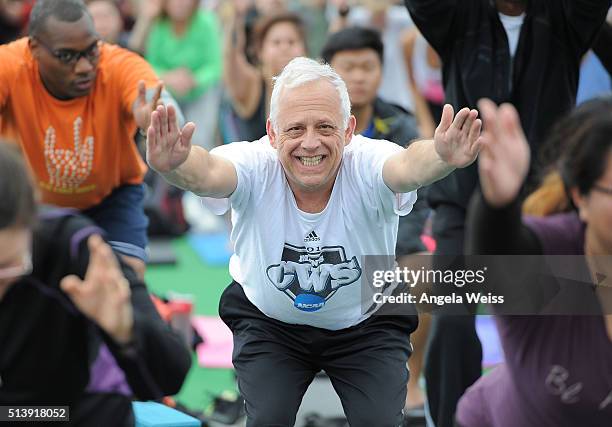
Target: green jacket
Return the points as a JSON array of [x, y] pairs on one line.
[[198, 49]]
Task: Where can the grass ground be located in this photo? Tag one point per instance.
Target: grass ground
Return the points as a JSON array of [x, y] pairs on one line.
[[206, 283]]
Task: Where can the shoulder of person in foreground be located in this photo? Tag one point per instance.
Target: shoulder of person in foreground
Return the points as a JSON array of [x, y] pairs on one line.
[[155, 360]]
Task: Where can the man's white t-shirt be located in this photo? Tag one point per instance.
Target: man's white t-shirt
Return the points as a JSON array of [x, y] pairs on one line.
[[304, 268]]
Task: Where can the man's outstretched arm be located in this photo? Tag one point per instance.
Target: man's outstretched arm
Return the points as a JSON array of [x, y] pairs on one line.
[[456, 144], [192, 168]]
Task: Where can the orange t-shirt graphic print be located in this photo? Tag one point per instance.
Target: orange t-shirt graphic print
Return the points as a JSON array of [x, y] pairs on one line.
[[68, 168], [78, 150]]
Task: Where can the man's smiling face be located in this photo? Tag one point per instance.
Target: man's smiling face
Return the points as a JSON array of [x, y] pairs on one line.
[[310, 136]]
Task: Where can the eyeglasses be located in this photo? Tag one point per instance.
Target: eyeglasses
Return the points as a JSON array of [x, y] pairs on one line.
[[71, 57], [23, 269], [601, 189]]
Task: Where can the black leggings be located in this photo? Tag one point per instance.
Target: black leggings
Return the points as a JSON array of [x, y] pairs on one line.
[[453, 359], [275, 362]]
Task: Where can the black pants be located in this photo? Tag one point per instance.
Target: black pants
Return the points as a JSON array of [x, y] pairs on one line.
[[275, 362], [453, 358]]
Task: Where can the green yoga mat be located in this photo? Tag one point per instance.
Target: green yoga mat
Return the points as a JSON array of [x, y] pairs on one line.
[[206, 283]]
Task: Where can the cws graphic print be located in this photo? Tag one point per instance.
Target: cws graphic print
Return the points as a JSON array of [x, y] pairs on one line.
[[311, 274]]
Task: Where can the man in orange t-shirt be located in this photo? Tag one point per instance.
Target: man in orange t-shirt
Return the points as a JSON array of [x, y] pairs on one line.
[[74, 105]]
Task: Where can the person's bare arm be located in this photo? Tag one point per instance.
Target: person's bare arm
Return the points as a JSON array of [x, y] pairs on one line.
[[148, 11], [152, 356], [341, 21], [456, 144], [440, 21], [423, 116], [192, 168], [242, 80]]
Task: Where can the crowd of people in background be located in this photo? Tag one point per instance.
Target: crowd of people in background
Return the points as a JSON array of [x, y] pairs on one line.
[[215, 61]]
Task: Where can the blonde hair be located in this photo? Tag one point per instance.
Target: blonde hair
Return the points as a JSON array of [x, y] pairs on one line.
[[549, 198]]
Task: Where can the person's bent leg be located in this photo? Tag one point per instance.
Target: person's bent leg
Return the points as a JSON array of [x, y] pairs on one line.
[[271, 383], [121, 215], [411, 254], [416, 397], [271, 367], [453, 364], [453, 356], [367, 368]]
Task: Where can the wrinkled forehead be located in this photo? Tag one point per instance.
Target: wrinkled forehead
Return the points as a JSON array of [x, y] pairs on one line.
[[319, 97]]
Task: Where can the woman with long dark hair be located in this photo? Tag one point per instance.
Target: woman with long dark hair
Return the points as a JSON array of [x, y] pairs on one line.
[[558, 369]]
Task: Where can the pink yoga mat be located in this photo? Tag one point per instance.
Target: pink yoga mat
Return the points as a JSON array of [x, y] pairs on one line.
[[216, 351]]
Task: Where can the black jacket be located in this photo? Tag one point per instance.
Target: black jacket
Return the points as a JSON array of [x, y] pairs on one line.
[[603, 46], [393, 123], [47, 345], [541, 82]]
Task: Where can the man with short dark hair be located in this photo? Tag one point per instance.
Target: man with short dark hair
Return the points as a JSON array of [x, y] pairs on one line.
[[74, 105], [356, 53]]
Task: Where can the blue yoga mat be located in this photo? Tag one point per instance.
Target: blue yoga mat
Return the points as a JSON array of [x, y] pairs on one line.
[[152, 414], [211, 248]]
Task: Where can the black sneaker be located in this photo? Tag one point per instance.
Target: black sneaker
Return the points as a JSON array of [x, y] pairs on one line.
[[414, 417], [315, 420], [227, 408]]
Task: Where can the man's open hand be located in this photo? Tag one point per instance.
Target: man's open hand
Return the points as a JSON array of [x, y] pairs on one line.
[[458, 141], [143, 108], [167, 146]]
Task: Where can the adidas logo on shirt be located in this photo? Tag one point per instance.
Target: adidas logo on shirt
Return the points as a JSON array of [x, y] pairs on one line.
[[311, 237]]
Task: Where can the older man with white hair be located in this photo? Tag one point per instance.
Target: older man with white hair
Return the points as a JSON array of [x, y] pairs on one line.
[[308, 201]]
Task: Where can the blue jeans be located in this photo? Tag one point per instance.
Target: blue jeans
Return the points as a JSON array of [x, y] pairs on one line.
[[121, 215]]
